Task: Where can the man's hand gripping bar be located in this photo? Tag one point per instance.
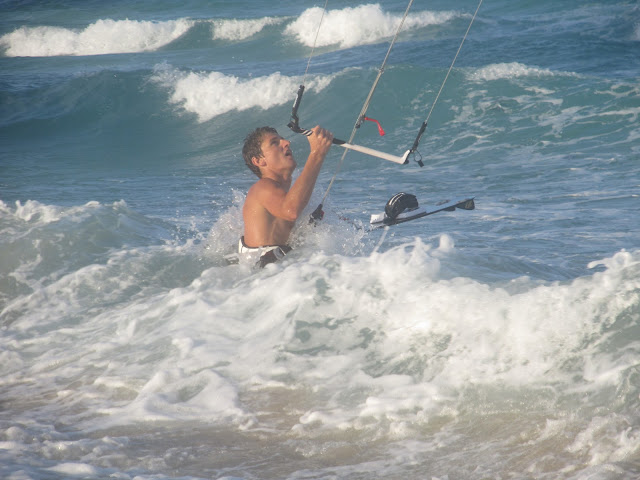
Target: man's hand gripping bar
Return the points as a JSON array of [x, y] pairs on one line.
[[294, 125]]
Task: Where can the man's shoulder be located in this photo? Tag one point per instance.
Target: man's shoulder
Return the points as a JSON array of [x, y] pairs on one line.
[[264, 184]]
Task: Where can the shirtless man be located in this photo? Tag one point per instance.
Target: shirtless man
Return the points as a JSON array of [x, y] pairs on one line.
[[273, 204]]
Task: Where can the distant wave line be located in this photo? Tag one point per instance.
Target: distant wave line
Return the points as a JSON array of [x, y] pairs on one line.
[[343, 28]]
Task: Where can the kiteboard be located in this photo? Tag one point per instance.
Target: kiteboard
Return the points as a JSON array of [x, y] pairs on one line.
[[388, 218]]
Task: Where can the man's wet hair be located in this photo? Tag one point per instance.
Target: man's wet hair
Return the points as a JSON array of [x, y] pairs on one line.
[[252, 147]]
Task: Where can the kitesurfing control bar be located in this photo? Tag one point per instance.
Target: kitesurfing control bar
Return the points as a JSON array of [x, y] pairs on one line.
[[295, 126]]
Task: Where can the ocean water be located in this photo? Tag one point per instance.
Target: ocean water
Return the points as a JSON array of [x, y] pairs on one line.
[[498, 343]]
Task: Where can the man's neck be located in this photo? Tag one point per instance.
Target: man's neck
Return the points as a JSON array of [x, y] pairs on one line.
[[283, 180]]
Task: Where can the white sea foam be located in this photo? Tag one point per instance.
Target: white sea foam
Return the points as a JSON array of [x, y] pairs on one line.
[[384, 342], [102, 37], [31, 212], [499, 71], [347, 27], [75, 469], [211, 94], [467, 334], [241, 29]]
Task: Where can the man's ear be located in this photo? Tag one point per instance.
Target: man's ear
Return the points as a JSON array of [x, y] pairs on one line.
[[259, 162]]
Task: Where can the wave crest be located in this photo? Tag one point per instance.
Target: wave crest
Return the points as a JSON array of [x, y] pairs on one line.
[[346, 28], [235, 30], [102, 37], [209, 95]]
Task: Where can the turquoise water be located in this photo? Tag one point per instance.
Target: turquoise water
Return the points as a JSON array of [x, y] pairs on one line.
[[496, 343]]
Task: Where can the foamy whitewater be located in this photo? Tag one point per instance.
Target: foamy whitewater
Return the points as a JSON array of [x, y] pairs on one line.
[[497, 343]]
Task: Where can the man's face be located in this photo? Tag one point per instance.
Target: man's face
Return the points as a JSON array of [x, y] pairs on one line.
[[276, 152]]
